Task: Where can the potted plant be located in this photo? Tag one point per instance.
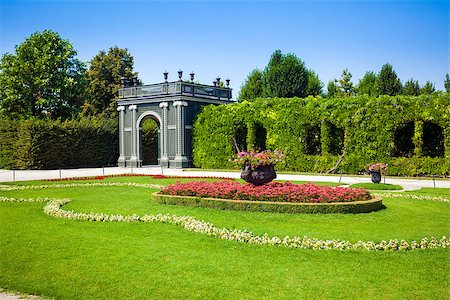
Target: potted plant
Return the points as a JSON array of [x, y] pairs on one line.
[[375, 171], [258, 166]]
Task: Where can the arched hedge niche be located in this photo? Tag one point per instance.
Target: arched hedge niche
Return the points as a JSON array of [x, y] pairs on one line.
[[257, 136], [332, 138], [313, 145], [433, 140], [240, 138], [403, 140]]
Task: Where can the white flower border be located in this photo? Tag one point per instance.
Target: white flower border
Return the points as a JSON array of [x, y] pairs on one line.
[[53, 208], [415, 197]]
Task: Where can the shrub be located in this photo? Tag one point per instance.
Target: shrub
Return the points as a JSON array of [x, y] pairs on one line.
[[274, 192], [48, 144], [354, 132]]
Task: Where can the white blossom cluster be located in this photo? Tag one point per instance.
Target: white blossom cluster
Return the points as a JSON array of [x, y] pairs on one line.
[[72, 185], [53, 208], [415, 197]]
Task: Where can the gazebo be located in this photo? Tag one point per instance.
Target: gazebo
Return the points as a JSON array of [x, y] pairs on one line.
[[173, 105]]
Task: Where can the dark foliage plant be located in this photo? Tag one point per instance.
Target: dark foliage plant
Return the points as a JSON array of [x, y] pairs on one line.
[[53, 144]]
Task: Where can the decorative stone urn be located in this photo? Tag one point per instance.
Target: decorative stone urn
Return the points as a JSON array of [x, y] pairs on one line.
[[258, 176], [375, 176]]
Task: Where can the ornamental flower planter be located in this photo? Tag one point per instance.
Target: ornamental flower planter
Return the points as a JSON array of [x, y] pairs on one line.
[[375, 176], [259, 166], [375, 171], [259, 175]]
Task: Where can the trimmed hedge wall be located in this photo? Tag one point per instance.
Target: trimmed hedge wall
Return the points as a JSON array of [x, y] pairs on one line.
[[349, 133], [47, 144], [278, 207]]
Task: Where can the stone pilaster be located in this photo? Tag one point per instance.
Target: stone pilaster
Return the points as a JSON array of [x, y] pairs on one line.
[[164, 160], [134, 137], [121, 160], [181, 159]]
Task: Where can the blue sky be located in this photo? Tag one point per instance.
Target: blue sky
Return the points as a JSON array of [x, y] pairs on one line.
[[231, 38]]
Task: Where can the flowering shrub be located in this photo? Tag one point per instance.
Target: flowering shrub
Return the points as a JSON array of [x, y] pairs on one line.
[[53, 208], [264, 158], [274, 191], [378, 167]]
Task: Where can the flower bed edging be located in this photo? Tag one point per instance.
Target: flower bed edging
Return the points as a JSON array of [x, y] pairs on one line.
[[53, 208], [373, 204]]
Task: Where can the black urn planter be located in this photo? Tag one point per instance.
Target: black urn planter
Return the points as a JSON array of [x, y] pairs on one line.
[[375, 176], [258, 176]]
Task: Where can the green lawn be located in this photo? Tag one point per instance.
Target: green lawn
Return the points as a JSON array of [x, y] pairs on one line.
[[67, 259], [376, 186]]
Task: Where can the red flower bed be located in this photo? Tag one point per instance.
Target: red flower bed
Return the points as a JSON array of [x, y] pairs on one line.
[[274, 191]]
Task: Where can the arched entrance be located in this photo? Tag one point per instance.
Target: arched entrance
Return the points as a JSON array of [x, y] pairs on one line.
[[149, 139]]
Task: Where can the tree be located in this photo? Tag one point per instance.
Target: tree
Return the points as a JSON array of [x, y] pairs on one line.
[[447, 83], [285, 76], [345, 85], [315, 86], [42, 78], [103, 78], [252, 87], [388, 83], [368, 84], [427, 89], [331, 89], [411, 88]]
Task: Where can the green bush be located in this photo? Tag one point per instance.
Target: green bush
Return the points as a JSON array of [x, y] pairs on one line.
[[48, 144], [8, 136], [277, 207], [349, 133]]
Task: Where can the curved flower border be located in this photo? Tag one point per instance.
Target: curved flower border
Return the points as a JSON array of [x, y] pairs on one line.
[[53, 208], [415, 197]]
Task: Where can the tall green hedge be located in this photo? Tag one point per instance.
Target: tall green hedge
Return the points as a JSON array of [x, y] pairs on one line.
[[48, 144], [352, 132]]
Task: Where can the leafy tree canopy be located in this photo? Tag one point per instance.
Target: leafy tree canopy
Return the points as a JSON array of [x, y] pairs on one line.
[[411, 88], [103, 78], [285, 76], [428, 88], [331, 89], [42, 78], [447, 83], [388, 83], [252, 87], [368, 84], [345, 85], [315, 86]]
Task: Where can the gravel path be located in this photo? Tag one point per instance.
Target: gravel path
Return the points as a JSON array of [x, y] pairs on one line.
[[21, 175]]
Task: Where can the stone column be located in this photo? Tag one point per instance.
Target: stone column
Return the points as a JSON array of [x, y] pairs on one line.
[[121, 160], [134, 136], [180, 158], [164, 161]]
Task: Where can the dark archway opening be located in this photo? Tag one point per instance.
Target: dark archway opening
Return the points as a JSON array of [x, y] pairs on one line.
[[336, 139], [312, 140], [403, 140], [433, 140], [260, 137], [240, 138], [149, 141]]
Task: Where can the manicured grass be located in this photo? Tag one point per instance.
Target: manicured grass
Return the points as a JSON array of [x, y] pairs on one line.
[[68, 259], [376, 186], [315, 182]]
